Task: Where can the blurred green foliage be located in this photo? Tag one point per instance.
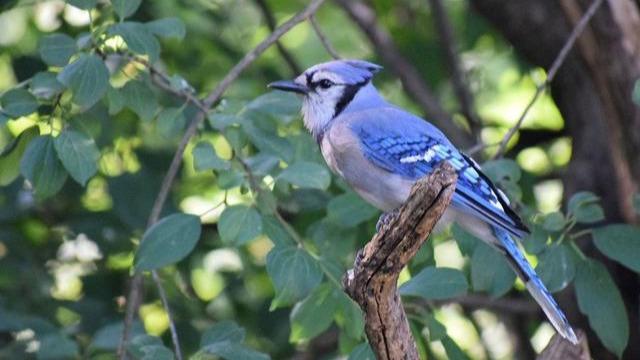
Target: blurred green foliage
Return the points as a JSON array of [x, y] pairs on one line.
[[257, 233]]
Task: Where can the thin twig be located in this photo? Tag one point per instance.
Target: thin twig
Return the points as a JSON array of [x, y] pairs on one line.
[[165, 304], [209, 101], [553, 70], [271, 24], [460, 86], [323, 38], [412, 80]]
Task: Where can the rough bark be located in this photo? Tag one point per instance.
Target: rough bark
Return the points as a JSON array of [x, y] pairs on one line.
[[372, 283], [593, 92]]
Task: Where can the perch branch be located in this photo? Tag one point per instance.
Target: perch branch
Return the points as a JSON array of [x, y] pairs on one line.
[[135, 292], [372, 283], [558, 348], [551, 74]]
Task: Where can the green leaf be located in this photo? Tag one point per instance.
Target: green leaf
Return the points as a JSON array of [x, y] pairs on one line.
[[41, 166], [145, 347], [138, 97], [307, 175], [171, 122], [116, 100], [45, 85], [436, 283], [205, 158], [362, 352], [556, 267], [78, 153], [281, 105], [502, 170], [223, 331], [437, 331], [168, 241], [554, 221], [294, 274], [621, 243], [466, 241], [88, 79], [230, 179], [313, 315], [83, 4], [56, 346], [585, 208], [599, 299], [349, 316], [490, 271], [11, 155], [233, 351], [125, 8], [138, 38], [167, 27], [57, 49], [453, 350], [636, 203], [635, 95], [349, 210], [239, 224], [276, 232], [268, 142], [536, 241], [18, 102]]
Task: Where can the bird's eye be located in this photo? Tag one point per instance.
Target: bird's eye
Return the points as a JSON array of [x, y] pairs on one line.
[[325, 83]]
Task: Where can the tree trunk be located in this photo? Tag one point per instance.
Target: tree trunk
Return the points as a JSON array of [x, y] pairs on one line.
[[593, 92]]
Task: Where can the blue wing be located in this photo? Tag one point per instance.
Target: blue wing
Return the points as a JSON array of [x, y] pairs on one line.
[[404, 144]]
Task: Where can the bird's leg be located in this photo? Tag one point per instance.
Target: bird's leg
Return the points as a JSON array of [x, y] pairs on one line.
[[386, 218]]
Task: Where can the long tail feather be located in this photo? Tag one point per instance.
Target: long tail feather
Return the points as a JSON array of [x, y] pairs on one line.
[[535, 286]]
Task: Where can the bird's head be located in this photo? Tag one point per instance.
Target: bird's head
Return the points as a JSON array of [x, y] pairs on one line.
[[328, 88]]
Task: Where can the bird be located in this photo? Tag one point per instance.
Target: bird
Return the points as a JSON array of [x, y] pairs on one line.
[[381, 150]]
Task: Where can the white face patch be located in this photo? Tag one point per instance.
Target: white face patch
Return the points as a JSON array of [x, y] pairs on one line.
[[318, 107]]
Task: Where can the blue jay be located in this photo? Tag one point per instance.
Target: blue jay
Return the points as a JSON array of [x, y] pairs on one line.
[[381, 150]]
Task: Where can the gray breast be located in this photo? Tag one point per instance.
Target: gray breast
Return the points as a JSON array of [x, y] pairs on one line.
[[342, 152]]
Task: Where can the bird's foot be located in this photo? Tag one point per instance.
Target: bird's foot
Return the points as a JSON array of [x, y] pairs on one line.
[[386, 218]]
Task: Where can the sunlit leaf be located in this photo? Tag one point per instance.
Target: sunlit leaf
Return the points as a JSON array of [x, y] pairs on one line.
[[87, 78], [621, 243], [41, 166], [57, 49], [294, 274], [436, 283], [599, 299], [168, 241], [454, 352], [78, 153]]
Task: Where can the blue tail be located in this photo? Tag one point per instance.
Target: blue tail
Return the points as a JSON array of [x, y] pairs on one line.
[[534, 285]]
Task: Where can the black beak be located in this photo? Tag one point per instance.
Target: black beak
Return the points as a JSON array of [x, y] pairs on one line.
[[288, 85]]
